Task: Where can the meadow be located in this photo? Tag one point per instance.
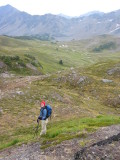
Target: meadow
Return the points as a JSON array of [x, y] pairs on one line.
[[79, 106]]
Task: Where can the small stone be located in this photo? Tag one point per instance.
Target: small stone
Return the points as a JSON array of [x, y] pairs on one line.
[[19, 92], [107, 80], [1, 111], [59, 72], [82, 79], [71, 68], [73, 72]]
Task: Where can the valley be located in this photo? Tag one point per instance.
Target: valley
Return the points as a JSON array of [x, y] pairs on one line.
[[84, 91]]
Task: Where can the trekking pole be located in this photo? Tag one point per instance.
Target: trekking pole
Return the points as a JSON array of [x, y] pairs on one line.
[[36, 129]]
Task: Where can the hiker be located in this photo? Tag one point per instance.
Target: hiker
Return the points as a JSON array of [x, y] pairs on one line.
[[45, 112]]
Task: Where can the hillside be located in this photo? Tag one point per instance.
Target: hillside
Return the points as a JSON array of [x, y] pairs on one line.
[[93, 146], [82, 102], [16, 23], [35, 57], [84, 93]]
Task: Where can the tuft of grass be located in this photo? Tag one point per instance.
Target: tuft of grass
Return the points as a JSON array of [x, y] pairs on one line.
[[9, 144]]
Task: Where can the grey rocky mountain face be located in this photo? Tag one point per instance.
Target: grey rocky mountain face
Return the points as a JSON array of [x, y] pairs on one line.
[[16, 23]]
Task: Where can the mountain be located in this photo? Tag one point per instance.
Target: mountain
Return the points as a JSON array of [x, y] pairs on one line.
[[65, 16], [91, 13], [16, 23]]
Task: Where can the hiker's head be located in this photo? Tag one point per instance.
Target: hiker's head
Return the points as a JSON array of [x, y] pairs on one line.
[[42, 104]]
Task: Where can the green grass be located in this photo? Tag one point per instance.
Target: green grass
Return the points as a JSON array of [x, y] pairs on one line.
[[70, 120], [49, 54], [75, 106], [12, 143], [59, 131], [78, 128]]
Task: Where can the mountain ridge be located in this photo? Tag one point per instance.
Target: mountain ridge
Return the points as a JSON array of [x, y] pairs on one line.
[[17, 23]]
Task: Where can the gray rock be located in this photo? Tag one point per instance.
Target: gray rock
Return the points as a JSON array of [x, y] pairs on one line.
[[57, 96], [1, 111], [113, 70], [2, 65], [59, 72], [6, 75], [73, 72], [107, 80], [19, 92], [71, 68], [29, 65], [82, 79]]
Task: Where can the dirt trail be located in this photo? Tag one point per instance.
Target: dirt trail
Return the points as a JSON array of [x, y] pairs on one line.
[[67, 149]]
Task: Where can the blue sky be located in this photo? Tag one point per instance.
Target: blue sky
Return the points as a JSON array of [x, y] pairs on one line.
[[67, 7]]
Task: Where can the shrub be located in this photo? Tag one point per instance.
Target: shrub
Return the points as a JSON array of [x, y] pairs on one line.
[[16, 58], [61, 62], [7, 60], [109, 45], [29, 56], [21, 63], [34, 64]]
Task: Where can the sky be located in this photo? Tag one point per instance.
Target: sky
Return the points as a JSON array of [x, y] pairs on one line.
[[66, 7]]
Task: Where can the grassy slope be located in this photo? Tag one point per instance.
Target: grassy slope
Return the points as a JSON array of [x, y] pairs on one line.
[[73, 54], [77, 110]]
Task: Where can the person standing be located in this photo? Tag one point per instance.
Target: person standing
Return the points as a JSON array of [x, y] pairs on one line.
[[45, 112]]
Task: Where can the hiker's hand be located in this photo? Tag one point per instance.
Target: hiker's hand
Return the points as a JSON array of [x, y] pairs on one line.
[[40, 118]]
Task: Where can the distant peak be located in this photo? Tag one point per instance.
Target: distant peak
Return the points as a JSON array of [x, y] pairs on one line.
[[92, 13], [65, 16], [8, 6]]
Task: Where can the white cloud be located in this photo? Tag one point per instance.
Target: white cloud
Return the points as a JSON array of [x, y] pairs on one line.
[[68, 7]]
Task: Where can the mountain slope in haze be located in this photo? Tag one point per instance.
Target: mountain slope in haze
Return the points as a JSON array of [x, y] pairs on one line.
[[65, 16], [91, 13], [16, 23]]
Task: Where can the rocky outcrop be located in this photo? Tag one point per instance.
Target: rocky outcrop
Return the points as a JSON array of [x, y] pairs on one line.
[[114, 102], [113, 71], [3, 67], [105, 149], [74, 78]]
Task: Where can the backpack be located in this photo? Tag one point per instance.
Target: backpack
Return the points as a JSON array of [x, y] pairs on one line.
[[49, 111]]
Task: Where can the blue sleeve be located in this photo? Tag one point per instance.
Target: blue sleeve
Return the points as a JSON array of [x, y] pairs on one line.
[[40, 113], [44, 114], [39, 117]]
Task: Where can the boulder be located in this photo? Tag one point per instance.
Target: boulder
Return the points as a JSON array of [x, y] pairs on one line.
[[6, 75], [72, 68], [107, 80], [30, 66], [19, 92], [1, 111], [115, 102], [81, 79], [2, 65], [113, 71], [57, 96]]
